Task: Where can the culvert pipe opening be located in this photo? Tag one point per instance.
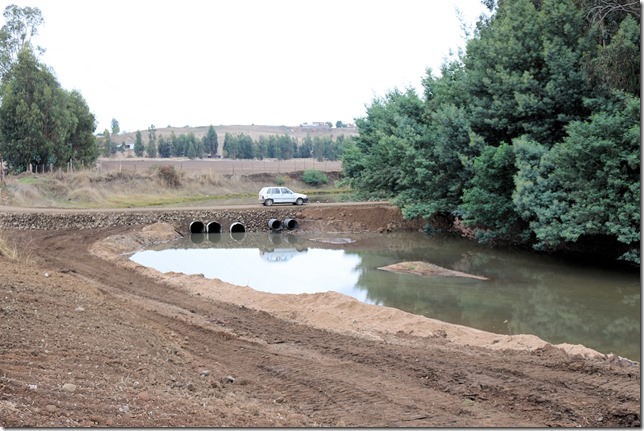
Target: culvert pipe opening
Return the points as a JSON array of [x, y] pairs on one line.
[[275, 224], [290, 223], [197, 226], [213, 227], [237, 228]]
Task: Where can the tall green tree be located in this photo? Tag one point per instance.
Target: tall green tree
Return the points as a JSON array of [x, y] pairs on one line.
[[165, 147], [81, 139], [391, 128], [231, 145], [589, 184], [106, 149], [210, 143], [151, 146], [524, 72], [21, 25], [531, 135], [40, 123], [116, 128], [139, 146]]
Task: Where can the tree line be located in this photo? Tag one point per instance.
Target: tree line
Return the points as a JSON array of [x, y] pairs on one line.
[[235, 146], [184, 145], [282, 147], [528, 136]]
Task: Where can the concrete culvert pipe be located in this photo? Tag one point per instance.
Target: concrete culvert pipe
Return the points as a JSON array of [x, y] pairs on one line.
[[290, 223], [275, 224], [197, 226], [213, 227], [237, 227]]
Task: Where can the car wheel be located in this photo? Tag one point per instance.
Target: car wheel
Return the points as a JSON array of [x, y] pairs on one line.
[[268, 202], [299, 201]]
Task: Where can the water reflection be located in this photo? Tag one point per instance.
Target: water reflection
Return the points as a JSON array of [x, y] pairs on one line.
[[559, 302]]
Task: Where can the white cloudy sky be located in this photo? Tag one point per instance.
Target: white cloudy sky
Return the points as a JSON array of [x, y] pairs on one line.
[[225, 62]]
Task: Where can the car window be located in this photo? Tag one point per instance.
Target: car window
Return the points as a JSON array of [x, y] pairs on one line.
[[286, 191], [274, 190]]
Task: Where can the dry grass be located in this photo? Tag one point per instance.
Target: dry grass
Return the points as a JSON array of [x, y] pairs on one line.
[[11, 251], [158, 184], [7, 250]]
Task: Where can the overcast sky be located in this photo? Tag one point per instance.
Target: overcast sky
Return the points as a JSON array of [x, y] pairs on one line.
[[263, 62]]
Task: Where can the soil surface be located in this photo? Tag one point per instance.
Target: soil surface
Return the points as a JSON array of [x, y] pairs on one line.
[[89, 338]]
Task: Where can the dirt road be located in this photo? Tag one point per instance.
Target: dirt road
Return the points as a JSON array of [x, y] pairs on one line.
[[88, 342]]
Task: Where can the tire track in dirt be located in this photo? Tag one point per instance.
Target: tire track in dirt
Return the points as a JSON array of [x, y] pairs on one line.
[[338, 379]]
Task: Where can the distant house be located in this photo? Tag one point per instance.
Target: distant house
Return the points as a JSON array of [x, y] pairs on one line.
[[316, 125]]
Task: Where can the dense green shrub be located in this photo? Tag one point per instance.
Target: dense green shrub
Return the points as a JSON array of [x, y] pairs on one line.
[[313, 177]]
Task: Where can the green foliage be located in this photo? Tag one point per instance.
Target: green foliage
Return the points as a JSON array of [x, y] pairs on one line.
[[116, 128], [387, 136], [487, 202], [282, 147], [588, 185], [15, 35], [41, 124], [107, 144], [617, 64], [315, 178], [524, 72], [530, 136], [151, 146], [139, 147], [210, 142], [280, 180], [165, 147]]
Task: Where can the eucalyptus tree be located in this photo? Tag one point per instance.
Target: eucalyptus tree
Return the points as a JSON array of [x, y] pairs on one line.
[[139, 146], [210, 142], [165, 147], [21, 25], [41, 124], [116, 128], [151, 146]]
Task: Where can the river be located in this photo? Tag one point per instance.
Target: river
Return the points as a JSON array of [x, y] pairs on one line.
[[598, 306]]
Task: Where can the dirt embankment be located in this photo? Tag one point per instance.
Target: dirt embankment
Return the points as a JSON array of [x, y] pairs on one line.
[[91, 339]]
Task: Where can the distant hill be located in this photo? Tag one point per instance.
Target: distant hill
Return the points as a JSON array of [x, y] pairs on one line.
[[253, 131]]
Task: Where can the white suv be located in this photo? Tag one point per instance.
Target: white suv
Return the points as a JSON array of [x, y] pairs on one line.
[[281, 195]]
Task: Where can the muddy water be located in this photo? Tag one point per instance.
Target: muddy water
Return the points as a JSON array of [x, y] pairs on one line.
[[558, 301]]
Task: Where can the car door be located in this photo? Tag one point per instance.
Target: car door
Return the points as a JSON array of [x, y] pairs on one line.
[[276, 195], [287, 195]]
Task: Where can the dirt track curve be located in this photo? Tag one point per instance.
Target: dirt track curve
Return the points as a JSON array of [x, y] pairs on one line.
[[140, 352]]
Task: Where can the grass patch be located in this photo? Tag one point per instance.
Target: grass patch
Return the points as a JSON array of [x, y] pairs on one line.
[[11, 251], [29, 180], [7, 250]]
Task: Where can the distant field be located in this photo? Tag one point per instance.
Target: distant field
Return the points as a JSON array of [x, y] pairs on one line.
[[218, 166]]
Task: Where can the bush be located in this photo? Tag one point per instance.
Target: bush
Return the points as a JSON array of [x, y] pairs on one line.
[[313, 177], [168, 176], [280, 180]]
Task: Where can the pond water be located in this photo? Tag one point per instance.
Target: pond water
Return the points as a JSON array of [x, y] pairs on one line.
[[525, 293]]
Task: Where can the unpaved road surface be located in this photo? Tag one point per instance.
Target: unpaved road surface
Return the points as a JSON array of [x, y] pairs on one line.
[[85, 342]]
